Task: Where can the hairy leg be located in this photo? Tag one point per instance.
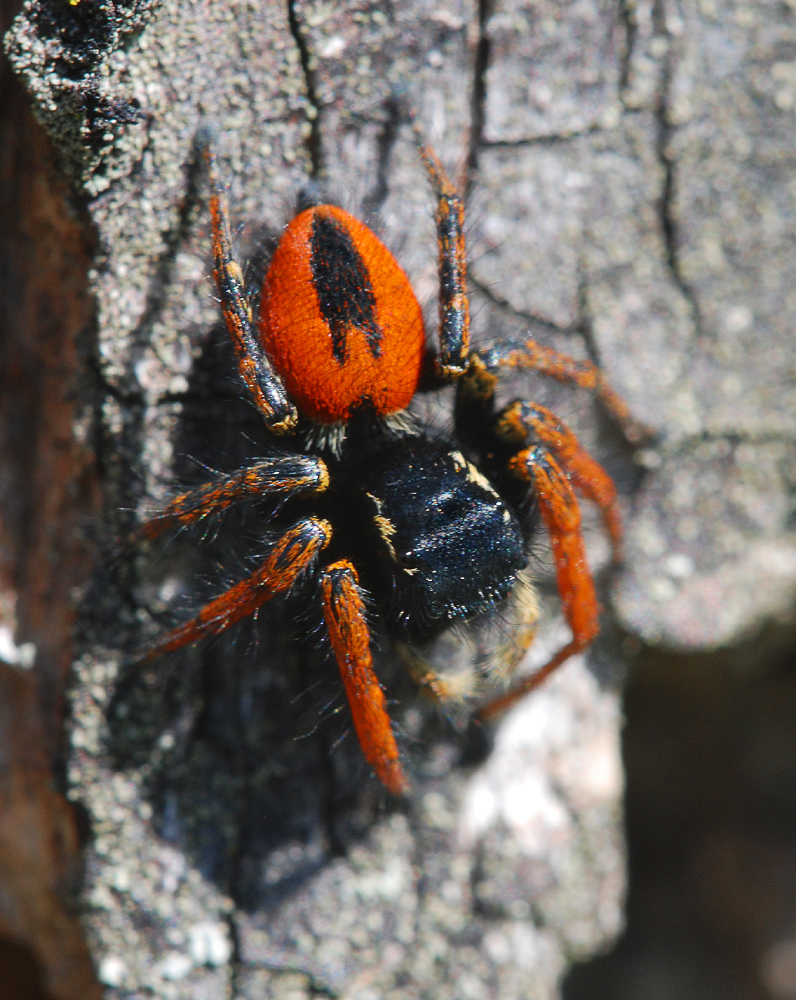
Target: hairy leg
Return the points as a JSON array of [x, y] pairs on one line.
[[545, 361], [522, 420], [266, 388], [344, 613], [561, 516], [454, 306], [292, 555], [281, 475]]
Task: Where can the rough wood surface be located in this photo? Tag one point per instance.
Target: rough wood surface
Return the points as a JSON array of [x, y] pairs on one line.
[[631, 202]]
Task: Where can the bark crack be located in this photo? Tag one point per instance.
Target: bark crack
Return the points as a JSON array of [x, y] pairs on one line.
[[667, 201], [314, 150], [628, 21], [585, 327], [548, 138], [478, 95]]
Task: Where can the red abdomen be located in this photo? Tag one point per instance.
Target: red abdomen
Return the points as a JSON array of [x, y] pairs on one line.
[[339, 319]]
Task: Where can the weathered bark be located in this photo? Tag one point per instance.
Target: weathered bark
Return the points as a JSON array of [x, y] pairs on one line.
[[629, 202], [47, 494]]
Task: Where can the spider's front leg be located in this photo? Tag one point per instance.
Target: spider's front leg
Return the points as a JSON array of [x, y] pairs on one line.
[[281, 475], [454, 306], [292, 555], [344, 614], [266, 387], [561, 516]]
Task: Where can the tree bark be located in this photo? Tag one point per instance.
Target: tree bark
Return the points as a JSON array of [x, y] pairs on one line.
[[628, 202]]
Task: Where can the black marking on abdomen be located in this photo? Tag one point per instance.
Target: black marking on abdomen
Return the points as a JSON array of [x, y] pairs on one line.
[[345, 293]]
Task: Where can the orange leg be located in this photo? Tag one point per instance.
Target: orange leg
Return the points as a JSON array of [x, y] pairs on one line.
[[292, 554], [344, 613], [282, 474], [454, 306], [561, 516], [589, 478], [265, 386], [584, 374]]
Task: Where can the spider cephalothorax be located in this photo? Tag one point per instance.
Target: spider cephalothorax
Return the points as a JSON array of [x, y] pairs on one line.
[[369, 501]]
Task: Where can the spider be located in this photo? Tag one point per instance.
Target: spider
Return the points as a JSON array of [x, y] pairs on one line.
[[416, 533]]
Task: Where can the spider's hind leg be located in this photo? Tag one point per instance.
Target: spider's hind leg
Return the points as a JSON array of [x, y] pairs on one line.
[[542, 473], [561, 515], [584, 374], [522, 421], [344, 614]]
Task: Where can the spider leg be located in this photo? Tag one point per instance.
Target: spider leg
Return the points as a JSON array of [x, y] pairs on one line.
[[292, 554], [584, 374], [561, 516], [281, 475], [344, 614], [265, 386], [521, 419], [454, 306]]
